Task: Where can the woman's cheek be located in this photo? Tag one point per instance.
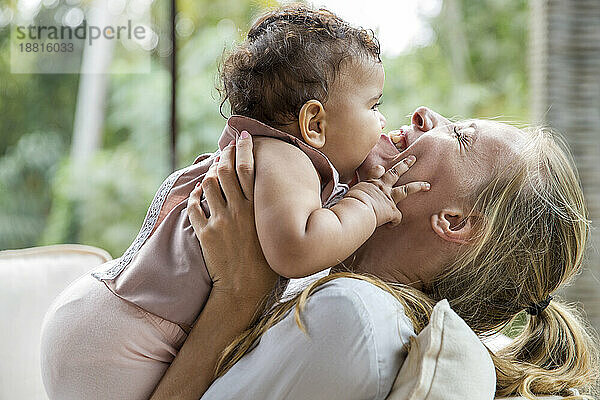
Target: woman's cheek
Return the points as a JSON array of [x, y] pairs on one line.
[[428, 166]]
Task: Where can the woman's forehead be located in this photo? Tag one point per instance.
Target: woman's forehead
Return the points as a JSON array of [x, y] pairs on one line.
[[496, 144], [495, 135]]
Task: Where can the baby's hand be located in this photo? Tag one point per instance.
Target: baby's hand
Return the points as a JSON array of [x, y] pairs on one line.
[[379, 193]]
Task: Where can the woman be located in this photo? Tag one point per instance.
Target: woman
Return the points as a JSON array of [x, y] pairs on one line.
[[503, 227]]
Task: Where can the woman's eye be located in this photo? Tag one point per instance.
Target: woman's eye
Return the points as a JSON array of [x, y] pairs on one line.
[[376, 106], [458, 133], [461, 135]]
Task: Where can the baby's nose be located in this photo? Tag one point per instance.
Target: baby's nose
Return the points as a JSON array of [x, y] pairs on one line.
[[382, 121]]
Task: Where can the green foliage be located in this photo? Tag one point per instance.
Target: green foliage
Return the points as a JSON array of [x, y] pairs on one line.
[[25, 171], [103, 201], [489, 81], [33, 103]]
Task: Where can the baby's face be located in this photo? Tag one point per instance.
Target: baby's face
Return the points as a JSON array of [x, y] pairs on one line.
[[353, 121]]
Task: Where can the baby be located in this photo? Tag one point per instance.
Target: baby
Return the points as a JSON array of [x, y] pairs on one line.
[[307, 86]]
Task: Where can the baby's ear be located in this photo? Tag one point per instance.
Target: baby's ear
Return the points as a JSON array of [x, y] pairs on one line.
[[454, 226], [312, 123]]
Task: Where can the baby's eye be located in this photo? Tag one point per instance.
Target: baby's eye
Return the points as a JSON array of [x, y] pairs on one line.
[[376, 106]]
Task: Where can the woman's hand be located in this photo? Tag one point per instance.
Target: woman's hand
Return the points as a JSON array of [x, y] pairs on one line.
[[228, 237], [235, 262]]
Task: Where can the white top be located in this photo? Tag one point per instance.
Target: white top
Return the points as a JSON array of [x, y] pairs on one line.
[[355, 349]]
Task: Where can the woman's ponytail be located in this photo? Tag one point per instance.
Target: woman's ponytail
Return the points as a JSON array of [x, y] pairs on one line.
[[555, 352]]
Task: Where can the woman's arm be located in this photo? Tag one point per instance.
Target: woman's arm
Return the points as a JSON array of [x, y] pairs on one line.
[[240, 274]]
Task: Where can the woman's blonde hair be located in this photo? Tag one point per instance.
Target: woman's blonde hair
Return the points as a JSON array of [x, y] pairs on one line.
[[532, 229]]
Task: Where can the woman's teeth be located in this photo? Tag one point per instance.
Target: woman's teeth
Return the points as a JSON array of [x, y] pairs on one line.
[[399, 139]]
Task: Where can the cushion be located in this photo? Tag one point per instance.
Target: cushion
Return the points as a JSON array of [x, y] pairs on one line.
[[29, 280], [446, 361]]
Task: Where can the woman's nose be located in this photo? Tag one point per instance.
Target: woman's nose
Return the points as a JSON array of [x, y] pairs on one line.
[[425, 119]]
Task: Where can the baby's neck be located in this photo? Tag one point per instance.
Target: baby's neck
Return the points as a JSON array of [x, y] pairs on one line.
[[292, 129]]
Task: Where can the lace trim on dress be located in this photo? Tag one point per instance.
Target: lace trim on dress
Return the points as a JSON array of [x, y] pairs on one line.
[[151, 217]]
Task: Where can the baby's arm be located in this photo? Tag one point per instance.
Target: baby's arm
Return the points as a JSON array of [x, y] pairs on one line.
[[297, 235]]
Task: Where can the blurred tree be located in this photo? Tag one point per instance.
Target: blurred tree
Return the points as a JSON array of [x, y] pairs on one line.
[[36, 119], [476, 65], [33, 103], [25, 195]]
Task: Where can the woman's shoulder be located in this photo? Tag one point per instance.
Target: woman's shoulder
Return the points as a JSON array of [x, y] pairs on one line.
[[360, 317], [352, 347], [358, 288], [378, 307], [362, 287]]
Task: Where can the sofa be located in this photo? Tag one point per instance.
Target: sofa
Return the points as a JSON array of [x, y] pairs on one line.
[[446, 361]]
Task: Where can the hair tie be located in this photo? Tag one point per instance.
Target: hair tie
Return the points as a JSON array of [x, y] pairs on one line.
[[536, 309]]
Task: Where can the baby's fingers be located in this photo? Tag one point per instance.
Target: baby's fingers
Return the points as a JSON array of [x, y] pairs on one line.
[[374, 173], [392, 175], [402, 192]]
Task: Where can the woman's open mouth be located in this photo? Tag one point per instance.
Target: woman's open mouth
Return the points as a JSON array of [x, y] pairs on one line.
[[400, 138]]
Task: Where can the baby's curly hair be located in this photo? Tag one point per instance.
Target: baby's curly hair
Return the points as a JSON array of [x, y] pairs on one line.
[[291, 55]]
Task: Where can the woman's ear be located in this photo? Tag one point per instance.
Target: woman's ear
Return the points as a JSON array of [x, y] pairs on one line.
[[454, 226], [312, 123]]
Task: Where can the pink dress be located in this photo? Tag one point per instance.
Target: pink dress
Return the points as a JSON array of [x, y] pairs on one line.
[[112, 334]]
